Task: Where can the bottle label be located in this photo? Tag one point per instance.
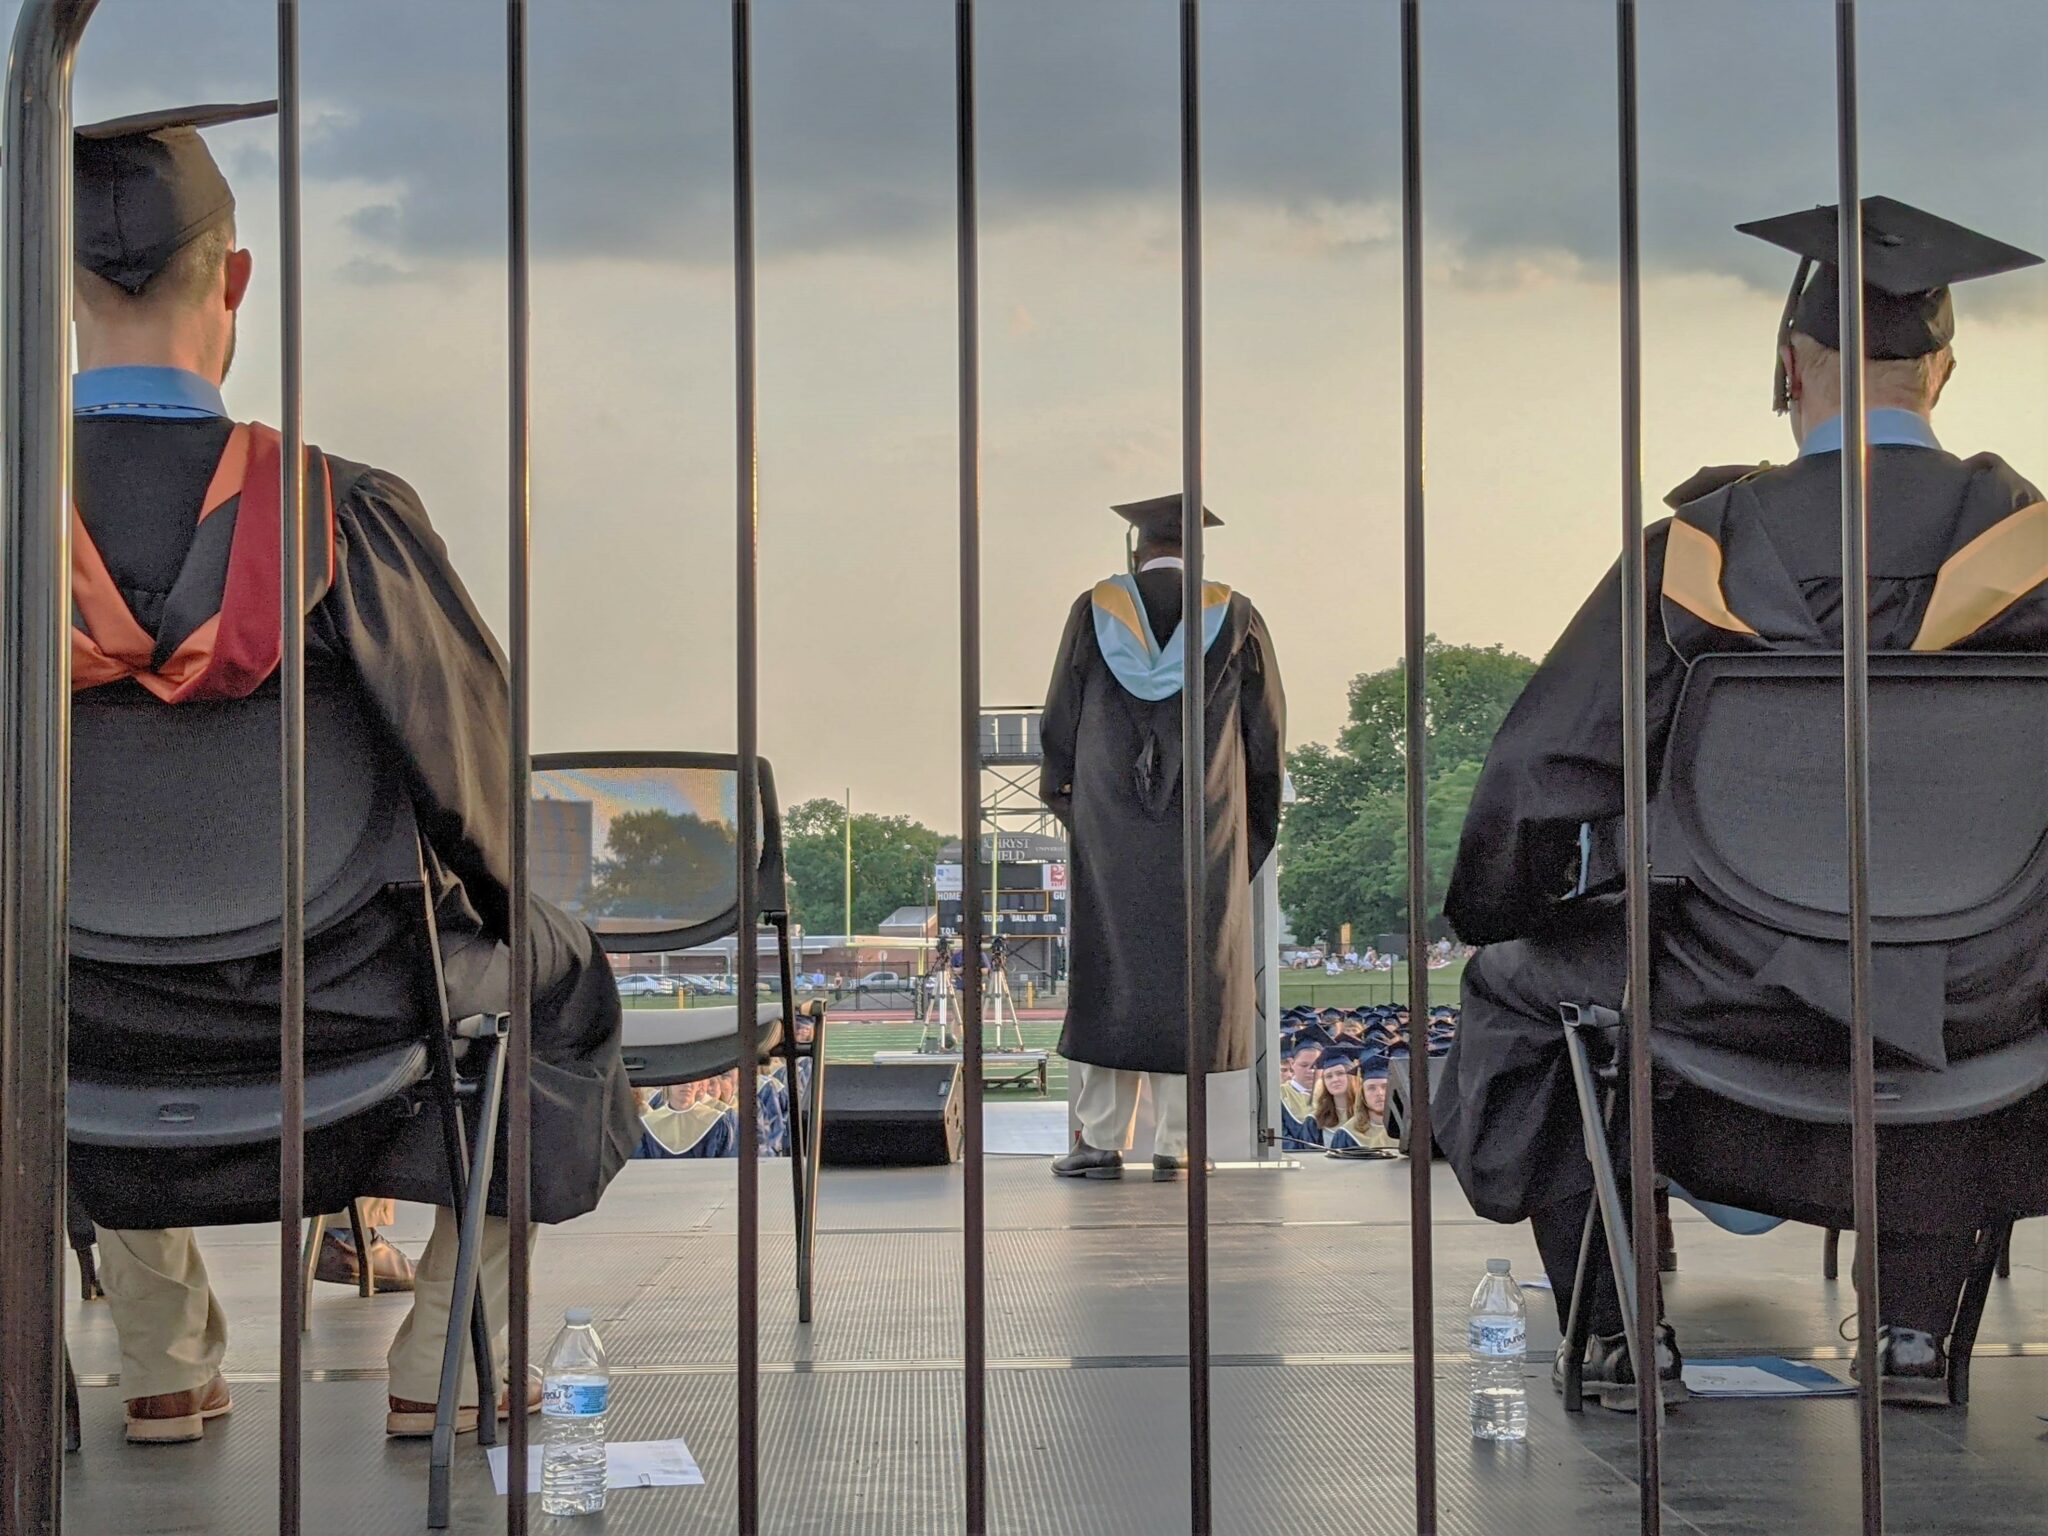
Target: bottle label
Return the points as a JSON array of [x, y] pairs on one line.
[[1499, 1338], [574, 1399]]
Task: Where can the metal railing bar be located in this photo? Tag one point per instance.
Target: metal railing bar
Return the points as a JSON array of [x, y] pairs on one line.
[[519, 655], [1194, 770], [1856, 762], [291, 1144], [35, 753], [748, 660], [973, 1215], [1635, 768], [1422, 1236]]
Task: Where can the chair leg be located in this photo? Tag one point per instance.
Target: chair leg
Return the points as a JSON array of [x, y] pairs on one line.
[[1831, 1254], [1579, 1322], [1667, 1239], [2005, 1256], [1593, 1117], [463, 1308], [89, 1287], [74, 1433], [814, 1146], [309, 1261], [1962, 1341], [358, 1229]]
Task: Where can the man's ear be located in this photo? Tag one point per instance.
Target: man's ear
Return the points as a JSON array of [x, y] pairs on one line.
[[1941, 383], [241, 266]]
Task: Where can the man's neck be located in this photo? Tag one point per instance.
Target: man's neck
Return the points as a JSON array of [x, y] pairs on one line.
[[1811, 422], [1162, 563], [148, 351]]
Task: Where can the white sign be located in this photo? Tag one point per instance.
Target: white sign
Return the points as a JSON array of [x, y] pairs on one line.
[[1056, 877], [946, 879]]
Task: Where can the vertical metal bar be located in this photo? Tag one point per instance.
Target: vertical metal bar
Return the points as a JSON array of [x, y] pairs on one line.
[[1421, 1234], [748, 508], [519, 540], [1195, 766], [1635, 768], [1856, 761], [291, 1145], [35, 754], [973, 1230]]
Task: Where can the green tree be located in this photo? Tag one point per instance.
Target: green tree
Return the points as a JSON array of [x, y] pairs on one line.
[[1343, 847], [660, 864], [892, 865]]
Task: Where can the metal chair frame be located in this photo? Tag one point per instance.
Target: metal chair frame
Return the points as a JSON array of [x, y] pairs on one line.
[[469, 1143], [777, 1044]]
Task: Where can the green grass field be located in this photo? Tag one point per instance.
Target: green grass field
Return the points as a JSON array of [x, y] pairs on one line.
[[1361, 989], [849, 1039]]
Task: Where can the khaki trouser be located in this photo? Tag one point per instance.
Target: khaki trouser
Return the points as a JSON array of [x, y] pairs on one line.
[[1106, 1102], [173, 1332]]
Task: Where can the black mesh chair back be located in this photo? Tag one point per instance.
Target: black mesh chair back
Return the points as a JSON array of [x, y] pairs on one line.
[[1749, 809], [176, 825], [1749, 815]]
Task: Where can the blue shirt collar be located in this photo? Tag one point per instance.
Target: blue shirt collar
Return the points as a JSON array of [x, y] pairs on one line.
[[1888, 427], [150, 392]]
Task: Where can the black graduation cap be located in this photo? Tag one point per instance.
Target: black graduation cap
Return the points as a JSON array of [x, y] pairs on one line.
[[147, 187], [1910, 259], [1372, 1065], [1342, 1055], [1159, 519]]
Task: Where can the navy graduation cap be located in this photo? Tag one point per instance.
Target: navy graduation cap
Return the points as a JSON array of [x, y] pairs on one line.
[[1911, 258]]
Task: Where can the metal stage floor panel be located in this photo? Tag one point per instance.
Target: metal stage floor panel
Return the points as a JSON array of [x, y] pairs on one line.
[[1088, 1386]]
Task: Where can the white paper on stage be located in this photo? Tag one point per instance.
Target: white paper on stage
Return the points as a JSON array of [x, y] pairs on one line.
[[1762, 1376], [628, 1464]]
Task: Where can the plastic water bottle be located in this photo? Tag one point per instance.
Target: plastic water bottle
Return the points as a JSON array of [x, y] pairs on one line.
[[1497, 1337], [575, 1391]]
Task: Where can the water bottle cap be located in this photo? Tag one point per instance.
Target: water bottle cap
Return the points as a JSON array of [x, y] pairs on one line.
[[578, 1317], [1496, 1266]]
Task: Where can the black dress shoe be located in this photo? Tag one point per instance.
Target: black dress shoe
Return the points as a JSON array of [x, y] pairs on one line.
[[1085, 1162], [1912, 1366], [1166, 1169], [1610, 1379]]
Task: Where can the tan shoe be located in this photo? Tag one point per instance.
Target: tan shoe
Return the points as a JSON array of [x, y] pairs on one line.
[[177, 1418], [408, 1420], [340, 1264]]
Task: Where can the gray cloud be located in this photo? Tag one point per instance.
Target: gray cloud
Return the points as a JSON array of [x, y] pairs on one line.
[[631, 115]]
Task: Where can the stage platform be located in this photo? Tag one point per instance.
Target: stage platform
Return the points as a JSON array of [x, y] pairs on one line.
[[1087, 1385]]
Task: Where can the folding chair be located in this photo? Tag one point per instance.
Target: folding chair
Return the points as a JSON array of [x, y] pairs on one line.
[[179, 866], [1748, 816], [641, 846]]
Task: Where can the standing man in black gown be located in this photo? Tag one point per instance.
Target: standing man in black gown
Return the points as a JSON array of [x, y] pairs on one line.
[[1113, 775]]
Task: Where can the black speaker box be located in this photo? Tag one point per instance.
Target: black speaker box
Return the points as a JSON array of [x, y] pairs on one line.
[[892, 1116]]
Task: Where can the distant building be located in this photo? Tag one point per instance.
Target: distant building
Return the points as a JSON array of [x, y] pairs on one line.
[[562, 851]]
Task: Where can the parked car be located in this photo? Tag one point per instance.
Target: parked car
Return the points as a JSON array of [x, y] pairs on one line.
[[641, 985]]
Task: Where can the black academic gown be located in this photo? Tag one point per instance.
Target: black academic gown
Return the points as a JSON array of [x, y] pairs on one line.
[[398, 627], [1127, 984], [1506, 1114]]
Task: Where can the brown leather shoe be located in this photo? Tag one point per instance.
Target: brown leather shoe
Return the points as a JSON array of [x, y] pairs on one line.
[[408, 1420], [340, 1265], [177, 1418]]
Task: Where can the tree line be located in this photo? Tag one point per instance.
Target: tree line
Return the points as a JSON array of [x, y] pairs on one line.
[[1343, 844]]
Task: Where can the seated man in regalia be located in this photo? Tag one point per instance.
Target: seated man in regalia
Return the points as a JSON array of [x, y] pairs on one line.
[[1751, 559], [176, 576]]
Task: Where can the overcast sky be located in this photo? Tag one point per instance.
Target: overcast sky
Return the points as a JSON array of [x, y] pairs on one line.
[[1079, 129]]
